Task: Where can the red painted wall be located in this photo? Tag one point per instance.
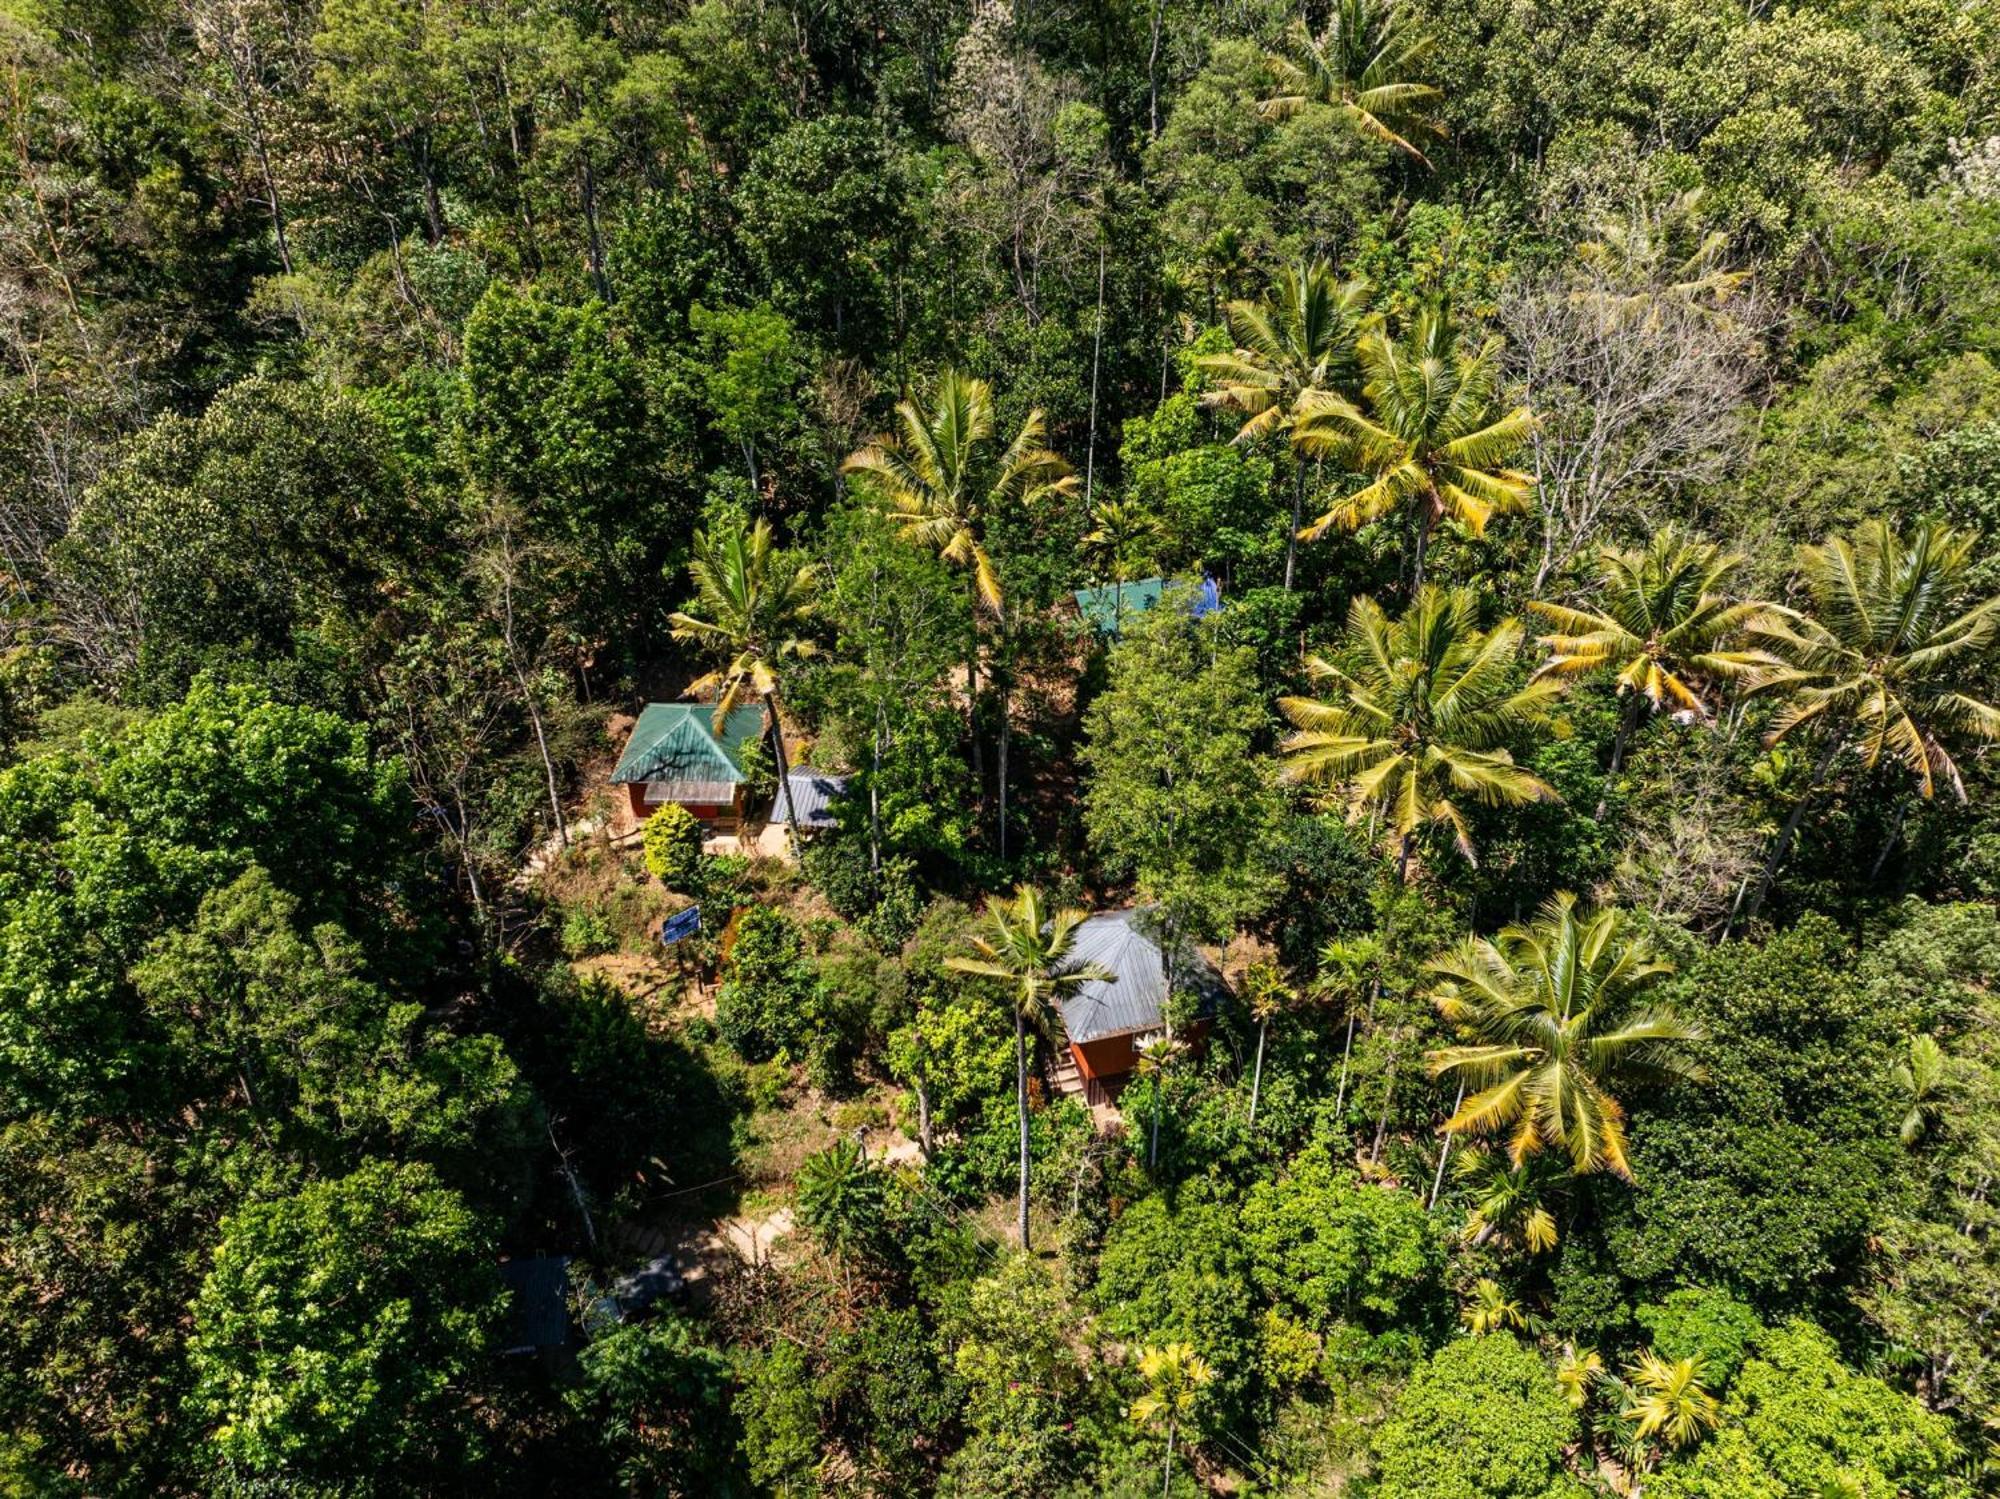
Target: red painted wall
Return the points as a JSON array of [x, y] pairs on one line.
[[635, 797], [1114, 1056]]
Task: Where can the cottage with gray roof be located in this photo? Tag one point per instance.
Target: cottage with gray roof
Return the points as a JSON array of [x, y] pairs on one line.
[[1106, 1019]]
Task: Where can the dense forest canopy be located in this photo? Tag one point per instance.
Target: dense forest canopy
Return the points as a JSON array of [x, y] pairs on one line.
[[1470, 529]]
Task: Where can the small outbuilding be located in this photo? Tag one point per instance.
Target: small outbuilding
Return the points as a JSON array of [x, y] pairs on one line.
[[1106, 1019], [675, 754], [813, 795], [537, 1304], [1107, 608]]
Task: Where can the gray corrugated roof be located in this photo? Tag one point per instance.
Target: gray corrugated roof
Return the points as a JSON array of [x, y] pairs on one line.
[[538, 1315], [813, 794], [1135, 999]]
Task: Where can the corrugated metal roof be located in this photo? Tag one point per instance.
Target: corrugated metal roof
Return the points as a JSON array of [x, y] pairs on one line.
[[538, 1312], [1135, 999], [1109, 607], [675, 746], [813, 794]]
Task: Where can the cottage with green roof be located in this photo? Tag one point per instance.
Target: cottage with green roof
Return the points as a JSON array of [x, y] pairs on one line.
[[676, 755]]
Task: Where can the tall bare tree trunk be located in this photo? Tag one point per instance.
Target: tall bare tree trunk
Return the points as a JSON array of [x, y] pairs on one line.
[[1298, 508], [972, 692], [1628, 720], [784, 769], [1021, 1107], [1346, 1055], [1153, 69], [1005, 737], [875, 800], [1096, 358], [1889, 843], [1257, 1077], [1791, 828], [1444, 1153]]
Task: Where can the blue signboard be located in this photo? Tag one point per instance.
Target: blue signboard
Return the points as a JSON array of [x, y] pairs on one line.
[[680, 925]]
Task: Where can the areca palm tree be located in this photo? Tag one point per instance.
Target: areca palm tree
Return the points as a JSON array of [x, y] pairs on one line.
[[1881, 663], [1032, 952], [941, 479], [1267, 995], [1363, 64], [756, 607], [1117, 542], [1669, 1400], [1555, 1015], [1491, 1309], [1158, 1056], [1298, 340], [1348, 968], [1578, 1371], [1507, 1201], [1664, 630], [1419, 711], [1431, 435], [1175, 1377]]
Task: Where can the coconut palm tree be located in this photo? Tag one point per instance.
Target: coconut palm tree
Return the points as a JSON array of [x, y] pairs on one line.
[[941, 479], [1158, 1056], [1175, 1377], [1669, 1400], [1431, 435], [756, 607], [1267, 995], [1881, 662], [1491, 1309], [1663, 630], [1297, 341], [1660, 247], [1021, 944], [1553, 1009], [1363, 64], [1420, 708]]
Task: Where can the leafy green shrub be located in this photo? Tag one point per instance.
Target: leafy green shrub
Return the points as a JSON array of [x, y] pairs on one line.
[[1177, 1271], [1770, 1175], [1331, 1248], [1797, 1419], [987, 1157], [334, 1325], [1703, 1323], [777, 1001], [780, 1416], [887, 903], [1482, 1420], [657, 1399], [672, 842], [768, 999], [837, 864], [585, 931]]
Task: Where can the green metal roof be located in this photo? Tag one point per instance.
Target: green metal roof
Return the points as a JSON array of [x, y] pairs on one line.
[[1106, 607], [676, 743]]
